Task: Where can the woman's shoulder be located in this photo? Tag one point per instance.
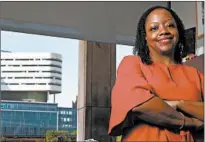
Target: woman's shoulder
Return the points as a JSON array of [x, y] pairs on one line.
[[131, 58], [129, 63], [190, 69]]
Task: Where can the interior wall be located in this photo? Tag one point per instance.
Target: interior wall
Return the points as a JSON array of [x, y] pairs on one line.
[[187, 12]]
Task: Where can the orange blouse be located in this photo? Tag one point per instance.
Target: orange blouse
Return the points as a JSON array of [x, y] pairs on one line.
[[136, 83]]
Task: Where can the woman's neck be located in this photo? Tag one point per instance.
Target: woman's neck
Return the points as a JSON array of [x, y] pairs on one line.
[[167, 60]]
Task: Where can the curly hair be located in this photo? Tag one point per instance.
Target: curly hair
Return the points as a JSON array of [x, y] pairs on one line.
[[141, 48]]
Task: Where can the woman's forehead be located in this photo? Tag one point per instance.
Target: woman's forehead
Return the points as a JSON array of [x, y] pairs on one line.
[[159, 15]]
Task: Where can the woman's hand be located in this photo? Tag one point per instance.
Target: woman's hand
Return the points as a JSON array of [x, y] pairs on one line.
[[194, 123], [173, 104], [194, 109]]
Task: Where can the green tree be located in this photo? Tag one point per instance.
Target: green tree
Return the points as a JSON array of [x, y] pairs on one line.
[[118, 138], [2, 139], [54, 136], [74, 133]]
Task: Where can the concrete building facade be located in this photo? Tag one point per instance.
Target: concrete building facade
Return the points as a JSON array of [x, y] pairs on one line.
[[30, 76]]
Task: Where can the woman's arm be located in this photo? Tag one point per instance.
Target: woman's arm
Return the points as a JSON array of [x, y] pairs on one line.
[[156, 111], [194, 109]]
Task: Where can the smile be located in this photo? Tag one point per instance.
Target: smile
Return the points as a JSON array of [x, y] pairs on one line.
[[166, 40]]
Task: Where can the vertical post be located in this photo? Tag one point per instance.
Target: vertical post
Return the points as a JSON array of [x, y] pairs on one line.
[[97, 68], [57, 123], [0, 105], [169, 4]]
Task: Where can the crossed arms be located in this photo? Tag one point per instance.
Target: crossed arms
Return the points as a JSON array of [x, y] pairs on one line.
[[155, 110]]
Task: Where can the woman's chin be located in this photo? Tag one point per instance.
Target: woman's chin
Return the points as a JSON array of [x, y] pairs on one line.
[[166, 51]]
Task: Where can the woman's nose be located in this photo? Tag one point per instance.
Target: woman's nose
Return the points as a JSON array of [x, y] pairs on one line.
[[164, 31]]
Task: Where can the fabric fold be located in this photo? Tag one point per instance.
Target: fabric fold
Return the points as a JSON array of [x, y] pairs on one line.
[[130, 89]]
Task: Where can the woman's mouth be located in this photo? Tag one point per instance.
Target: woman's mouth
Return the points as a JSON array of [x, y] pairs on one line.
[[166, 40]]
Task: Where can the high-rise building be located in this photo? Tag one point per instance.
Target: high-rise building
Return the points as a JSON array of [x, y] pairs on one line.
[[30, 76], [26, 81]]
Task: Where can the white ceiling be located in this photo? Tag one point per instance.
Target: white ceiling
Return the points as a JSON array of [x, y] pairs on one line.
[[97, 21]]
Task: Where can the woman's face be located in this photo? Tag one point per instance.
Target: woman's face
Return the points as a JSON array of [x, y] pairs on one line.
[[161, 32]]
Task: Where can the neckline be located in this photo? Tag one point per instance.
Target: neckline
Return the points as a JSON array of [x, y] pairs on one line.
[[168, 66]]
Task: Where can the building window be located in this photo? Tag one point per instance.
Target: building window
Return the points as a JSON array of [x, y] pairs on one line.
[[8, 59], [58, 60], [13, 65], [33, 71], [70, 112], [68, 119], [63, 112], [23, 77], [3, 83], [24, 59], [57, 84]]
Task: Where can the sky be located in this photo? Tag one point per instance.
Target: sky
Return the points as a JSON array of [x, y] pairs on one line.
[[68, 48]]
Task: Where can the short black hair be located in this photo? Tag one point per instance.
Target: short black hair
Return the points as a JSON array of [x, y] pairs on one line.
[[141, 48]]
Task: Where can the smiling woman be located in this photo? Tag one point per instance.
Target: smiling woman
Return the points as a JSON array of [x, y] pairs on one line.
[[161, 33], [164, 98]]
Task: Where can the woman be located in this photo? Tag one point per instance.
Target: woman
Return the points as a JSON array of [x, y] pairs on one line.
[[155, 96]]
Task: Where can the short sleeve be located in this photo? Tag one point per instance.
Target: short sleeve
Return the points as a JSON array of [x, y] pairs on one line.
[[130, 89]]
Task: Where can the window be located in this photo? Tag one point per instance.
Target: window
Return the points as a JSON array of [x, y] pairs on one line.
[[70, 112], [53, 60], [23, 77], [13, 83], [53, 71], [57, 84], [12, 71], [56, 70], [13, 65], [68, 119], [24, 59], [33, 71], [8, 59]]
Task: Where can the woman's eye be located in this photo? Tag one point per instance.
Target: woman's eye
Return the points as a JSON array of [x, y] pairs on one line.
[[171, 25], [153, 28]]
